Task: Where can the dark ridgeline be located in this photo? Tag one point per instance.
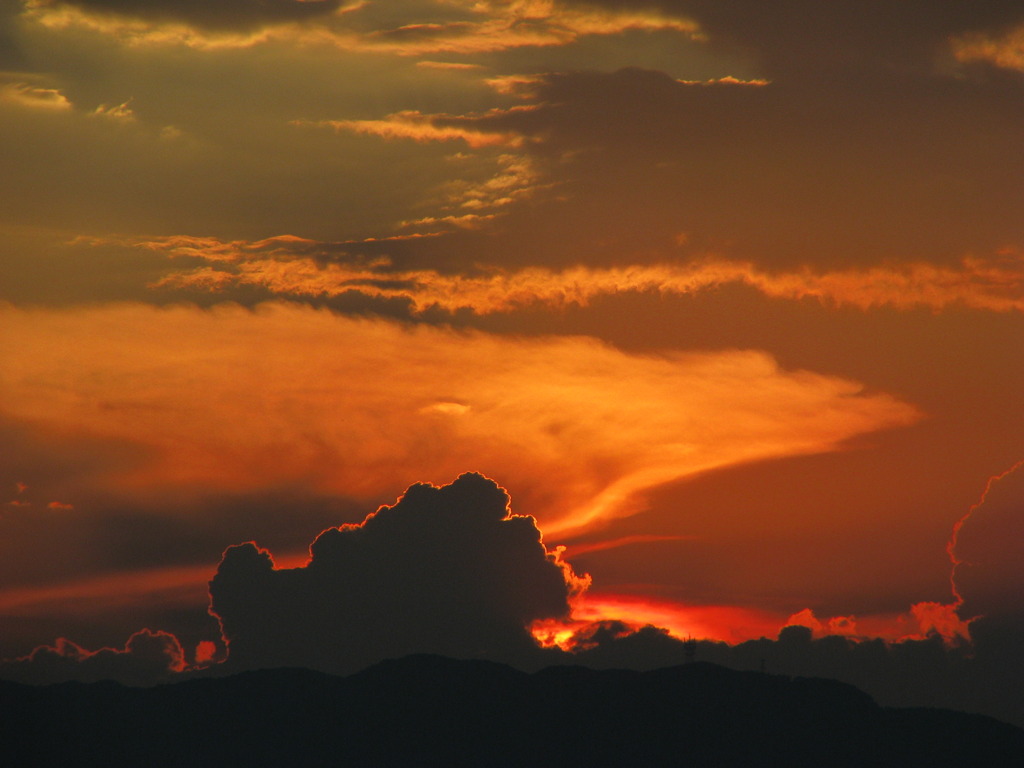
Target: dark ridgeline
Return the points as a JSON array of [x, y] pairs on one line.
[[429, 710]]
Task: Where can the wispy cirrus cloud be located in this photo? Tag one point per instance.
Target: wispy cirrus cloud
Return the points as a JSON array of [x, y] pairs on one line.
[[289, 267], [194, 23], [504, 24], [444, 26], [411, 124]]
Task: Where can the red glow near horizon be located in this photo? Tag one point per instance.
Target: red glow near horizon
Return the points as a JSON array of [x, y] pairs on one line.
[[737, 624], [730, 624]]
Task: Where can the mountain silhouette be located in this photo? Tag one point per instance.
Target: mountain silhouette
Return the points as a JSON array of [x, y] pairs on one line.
[[435, 711]]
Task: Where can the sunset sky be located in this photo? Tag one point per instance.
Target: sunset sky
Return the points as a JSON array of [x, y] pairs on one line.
[[728, 295]]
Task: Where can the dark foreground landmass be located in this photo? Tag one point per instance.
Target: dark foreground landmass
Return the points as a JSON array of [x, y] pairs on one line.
[[427, 710]]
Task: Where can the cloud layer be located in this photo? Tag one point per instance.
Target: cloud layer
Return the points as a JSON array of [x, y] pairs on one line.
[[220, 16], [301, 268], [348, 406]]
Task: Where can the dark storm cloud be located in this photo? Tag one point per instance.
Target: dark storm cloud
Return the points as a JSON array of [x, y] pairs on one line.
[[445, 570], [769, 172], [806, 39], [213, 15]]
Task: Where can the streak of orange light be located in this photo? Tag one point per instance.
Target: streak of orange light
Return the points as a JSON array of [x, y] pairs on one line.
[[117, 588]]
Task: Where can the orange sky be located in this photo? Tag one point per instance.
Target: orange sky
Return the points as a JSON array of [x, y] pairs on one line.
[[731, 303]]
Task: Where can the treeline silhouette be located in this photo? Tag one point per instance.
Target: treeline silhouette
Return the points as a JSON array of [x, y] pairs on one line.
[[433, 711]]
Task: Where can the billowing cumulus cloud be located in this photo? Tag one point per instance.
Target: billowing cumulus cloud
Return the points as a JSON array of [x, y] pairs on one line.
[[445, 570], [350, 406]]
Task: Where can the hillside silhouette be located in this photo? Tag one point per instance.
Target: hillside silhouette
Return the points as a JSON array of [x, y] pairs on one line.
[[431, 710]]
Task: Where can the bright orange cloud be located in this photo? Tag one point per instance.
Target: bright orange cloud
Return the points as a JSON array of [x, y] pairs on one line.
[[920, 621], [736, 624], [1006, 50], [727, 80], [993, 284], [449, 65], [505, 24], [236, 400], [212, 249], [411, 124], [712, 622], [133, 31], [483, 27], [939, 618], [520, 85], [33, 97], [516, 177]]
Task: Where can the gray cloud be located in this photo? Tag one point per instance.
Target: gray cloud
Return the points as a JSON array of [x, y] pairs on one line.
[[804, 39], [775, 173]]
